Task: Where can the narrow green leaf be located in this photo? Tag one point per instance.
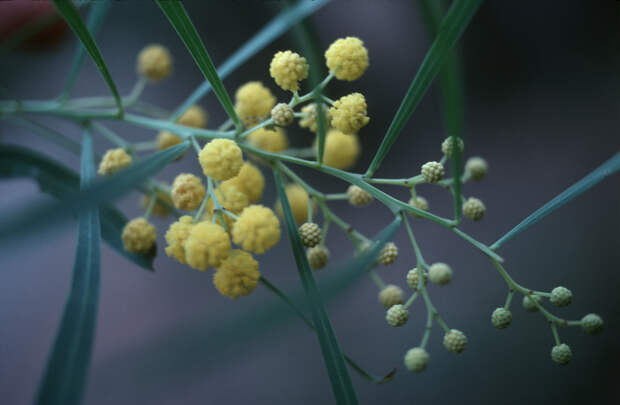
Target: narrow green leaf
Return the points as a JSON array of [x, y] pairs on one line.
[[276, 27], [96, 16], [606, 169], [66, 373], [72, 17], [365, 374], [59, 181], [181, 22], [451, 88], [342, 386], [38, 216], [458, 17], [307, 38]]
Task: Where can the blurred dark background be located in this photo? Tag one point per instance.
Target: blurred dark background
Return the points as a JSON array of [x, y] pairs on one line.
[[542, 106]]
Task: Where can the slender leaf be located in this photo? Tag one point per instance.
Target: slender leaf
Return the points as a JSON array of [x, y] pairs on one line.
[[307, 37], [276, 27], [342, 387], [366, 375], [606, 169], [181, 22], [96, 16], [70, 13], [38, 216], [451, 87], [57, 180], [458, 17], [66, 373]]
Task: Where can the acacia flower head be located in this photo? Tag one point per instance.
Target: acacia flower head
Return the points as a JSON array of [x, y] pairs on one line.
[[176, 236], [298, 199], [257, 229], [347, 58], [250, 181], [195, 116], [348, 114], [237, 275], [154, 62], [270, 140], [187, 192], [207, 245], [221, 159], [288, 68], [113, 161], [139, 236], [253, 102], [309, 120], [341, 150]]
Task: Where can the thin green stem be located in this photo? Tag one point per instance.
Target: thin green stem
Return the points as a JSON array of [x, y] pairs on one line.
[[511, 293], [412, 299], [377, 279], [556, 335]]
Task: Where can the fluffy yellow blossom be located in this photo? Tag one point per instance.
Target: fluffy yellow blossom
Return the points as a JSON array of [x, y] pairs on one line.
[[309, 121], [154, 62], [257, 229], [341, 150], [237, 275], [231, 199], [221, 159], [176, 236], [269, 140], [349, 113], [187, 192], [253, 101], [347, 57], [207, 245], [195, 116], [288, 69], [139, 236], [113, 161], [298, 199], [161, 206], [166, 139], [249, 181]]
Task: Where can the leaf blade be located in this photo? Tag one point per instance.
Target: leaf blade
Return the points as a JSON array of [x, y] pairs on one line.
[[73, 19], [456, 20], [174, 10], [276, 27], [100, 190], [342, 386], [597, 175], [64, 379]]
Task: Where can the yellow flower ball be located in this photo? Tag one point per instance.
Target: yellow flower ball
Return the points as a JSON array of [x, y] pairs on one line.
[[221, 159], [187, 192], [154, 62], [139, 236], [257, 229], [207, 245], [270, 140], [237, 275], [349, 113], [298, 200], [348, 57], [176, 236], [341, 150], [166, 139], [231, 199], [253, 102], [288, 69], [310, 120], [249, 181], [161, 206], [195, 116], [113, 161]]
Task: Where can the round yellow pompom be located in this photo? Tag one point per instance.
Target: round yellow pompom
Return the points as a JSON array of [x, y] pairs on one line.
[[195, 116], [274, 141], [253, 102], [187, 192], [310, 119], [161, 206], [176, 236], [347, 57], [231, 199], [237, 275], [257, 229], [166, 139], [298, 199], [154, 62], [207, 245], [113, 161], [249, 181], [349, 113], [341, 150], [139, 236], [221, 159], [288, 69]]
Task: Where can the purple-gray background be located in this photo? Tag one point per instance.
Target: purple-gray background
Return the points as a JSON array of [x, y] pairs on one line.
[[542, 107]]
